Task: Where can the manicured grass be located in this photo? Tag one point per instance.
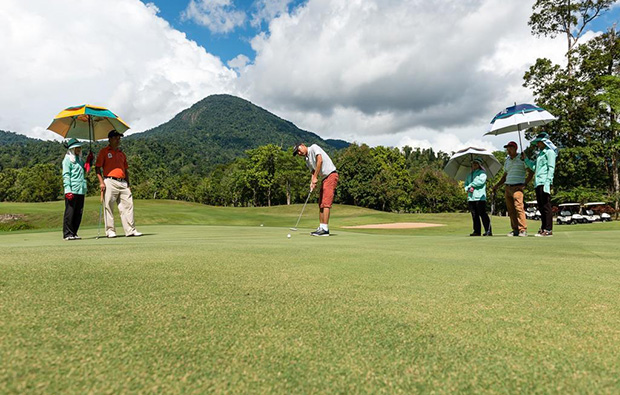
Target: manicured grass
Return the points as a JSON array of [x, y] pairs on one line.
[[194, 308], [43, 216]]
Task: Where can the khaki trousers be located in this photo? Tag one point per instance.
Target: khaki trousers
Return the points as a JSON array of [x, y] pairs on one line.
[[118, 192], [516, 210]]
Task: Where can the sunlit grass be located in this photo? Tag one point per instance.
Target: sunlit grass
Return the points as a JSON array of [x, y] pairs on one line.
[[194, 308]]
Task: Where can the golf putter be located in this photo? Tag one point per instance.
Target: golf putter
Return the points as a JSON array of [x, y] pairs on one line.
[[302, 212]]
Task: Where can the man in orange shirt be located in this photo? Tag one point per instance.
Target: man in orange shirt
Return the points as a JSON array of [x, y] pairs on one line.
[[112, 171]]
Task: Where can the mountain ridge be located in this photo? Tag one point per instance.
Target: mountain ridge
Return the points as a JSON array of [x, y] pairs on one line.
[[213, 131]]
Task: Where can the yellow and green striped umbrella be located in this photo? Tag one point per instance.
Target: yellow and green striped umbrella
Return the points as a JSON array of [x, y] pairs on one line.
[[87, 122]]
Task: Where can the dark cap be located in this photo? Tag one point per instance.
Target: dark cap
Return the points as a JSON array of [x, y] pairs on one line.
[[511, 144], [113, 133], [296, 148]]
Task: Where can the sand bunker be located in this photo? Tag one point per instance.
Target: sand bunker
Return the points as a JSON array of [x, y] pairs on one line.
[[396, 225]]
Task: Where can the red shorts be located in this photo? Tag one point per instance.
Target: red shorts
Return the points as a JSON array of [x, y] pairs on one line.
[[328, 187]]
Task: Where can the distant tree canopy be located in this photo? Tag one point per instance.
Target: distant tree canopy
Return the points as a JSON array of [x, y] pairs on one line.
[[380, 178]]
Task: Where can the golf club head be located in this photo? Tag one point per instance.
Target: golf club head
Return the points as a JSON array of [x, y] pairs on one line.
[[293, 229]]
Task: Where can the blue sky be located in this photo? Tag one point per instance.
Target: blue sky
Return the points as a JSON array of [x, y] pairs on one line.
[[226, 45], [380, 72]]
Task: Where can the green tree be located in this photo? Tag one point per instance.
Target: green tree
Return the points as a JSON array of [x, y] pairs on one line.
[[391, 183], [39, 183], [356, 167], [261, 173], [434, 191], [551, 18], [586, 101], [8, 180]]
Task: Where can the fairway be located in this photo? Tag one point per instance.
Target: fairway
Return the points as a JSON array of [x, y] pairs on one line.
[[213, 308]]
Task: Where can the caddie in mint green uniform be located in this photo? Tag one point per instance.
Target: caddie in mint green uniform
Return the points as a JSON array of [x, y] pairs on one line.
[[544, 169], [74, 182], [476, 188]]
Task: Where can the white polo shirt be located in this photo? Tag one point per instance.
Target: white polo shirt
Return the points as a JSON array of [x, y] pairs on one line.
[[326, 168]]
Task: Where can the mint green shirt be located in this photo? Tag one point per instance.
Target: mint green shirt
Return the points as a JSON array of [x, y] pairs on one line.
[[478, 180], [74, 176], [515, 170], [544, 168]]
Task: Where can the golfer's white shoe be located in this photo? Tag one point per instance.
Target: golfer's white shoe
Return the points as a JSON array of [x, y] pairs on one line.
[[111, 235], [134, 234]]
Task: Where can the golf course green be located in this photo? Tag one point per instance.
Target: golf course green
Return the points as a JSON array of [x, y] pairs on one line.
[[216, 299]]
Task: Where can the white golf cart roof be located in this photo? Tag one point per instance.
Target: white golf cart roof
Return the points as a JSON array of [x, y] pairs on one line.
[[595, 204], [532, 202], [568, 204]]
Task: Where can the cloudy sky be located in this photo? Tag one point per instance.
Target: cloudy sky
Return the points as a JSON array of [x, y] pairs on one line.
[[382, 72]]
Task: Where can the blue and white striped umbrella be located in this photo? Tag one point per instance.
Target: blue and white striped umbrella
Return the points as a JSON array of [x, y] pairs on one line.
[[518, 118]]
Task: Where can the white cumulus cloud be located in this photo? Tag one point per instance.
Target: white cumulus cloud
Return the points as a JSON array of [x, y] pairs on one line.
[[266, 10], [385, 70], [126, 58], [219, 16]]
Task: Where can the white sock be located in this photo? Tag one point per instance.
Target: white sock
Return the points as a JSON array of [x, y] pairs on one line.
[[324, 227]]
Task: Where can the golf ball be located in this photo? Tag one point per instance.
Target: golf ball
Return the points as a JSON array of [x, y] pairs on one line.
[[288, 235]]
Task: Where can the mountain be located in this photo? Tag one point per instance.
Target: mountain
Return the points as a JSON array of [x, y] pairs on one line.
[[17, 151], [217, 130]]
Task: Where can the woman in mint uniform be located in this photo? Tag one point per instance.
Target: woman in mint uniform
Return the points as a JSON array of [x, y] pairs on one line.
[[476, 187], [544, 168], [74, 181]]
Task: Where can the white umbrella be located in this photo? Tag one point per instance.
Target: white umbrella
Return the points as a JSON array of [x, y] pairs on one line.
[[459, 165], [518, 118]]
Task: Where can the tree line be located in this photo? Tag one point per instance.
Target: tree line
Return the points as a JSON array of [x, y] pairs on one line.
[[381, 178]]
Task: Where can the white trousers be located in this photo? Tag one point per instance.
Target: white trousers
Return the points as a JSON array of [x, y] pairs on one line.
[[118, 192]]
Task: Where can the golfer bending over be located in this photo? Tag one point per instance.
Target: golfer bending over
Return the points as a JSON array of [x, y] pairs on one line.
[[321, 166], [113, 174]]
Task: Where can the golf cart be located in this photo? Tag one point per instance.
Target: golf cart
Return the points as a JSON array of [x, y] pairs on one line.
[[589, 214], [532, 212], [595, 210], [569, 214]]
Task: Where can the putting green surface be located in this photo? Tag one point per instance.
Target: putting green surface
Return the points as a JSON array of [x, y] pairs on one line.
[[194, 308]]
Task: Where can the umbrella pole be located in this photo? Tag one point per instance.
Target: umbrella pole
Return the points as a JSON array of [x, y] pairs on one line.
[[520, 142], [90, 133]]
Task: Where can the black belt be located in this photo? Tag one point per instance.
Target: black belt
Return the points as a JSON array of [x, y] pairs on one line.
[[515, 185], [114, 178]]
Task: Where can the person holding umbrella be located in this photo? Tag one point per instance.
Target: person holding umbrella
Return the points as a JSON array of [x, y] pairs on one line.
[[475, 186], [544, 169], [113, 173], [514, 179], [74, 182]]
